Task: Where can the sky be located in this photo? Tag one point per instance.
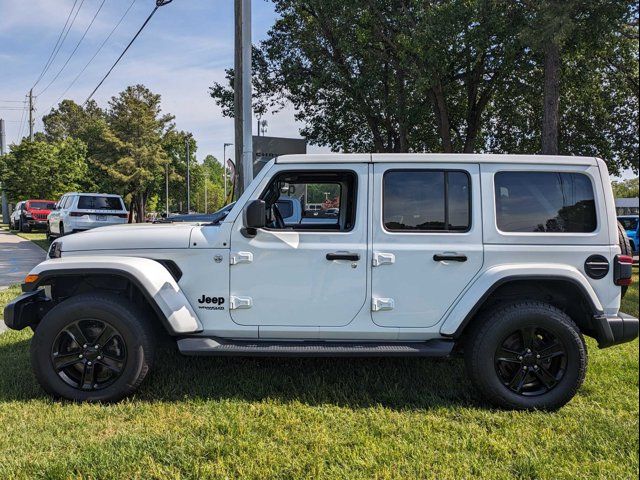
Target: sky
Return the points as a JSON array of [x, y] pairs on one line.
[[183, 50]]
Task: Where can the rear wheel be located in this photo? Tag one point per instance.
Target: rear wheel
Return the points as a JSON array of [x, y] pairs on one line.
[[24, 227], [527, 355], [92, 347]]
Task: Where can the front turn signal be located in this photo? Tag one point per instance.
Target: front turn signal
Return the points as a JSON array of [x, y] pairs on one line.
[[31, 278]]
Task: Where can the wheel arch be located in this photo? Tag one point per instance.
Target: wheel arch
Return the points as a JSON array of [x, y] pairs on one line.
[[147, 282], [569, 293]]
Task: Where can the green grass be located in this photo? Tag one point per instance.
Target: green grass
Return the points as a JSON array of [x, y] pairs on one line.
[[318, 418], [36, 236]]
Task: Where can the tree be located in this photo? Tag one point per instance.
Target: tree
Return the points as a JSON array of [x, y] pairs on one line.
[[44, 170], [131, 149], [454, 76], [625, 188]]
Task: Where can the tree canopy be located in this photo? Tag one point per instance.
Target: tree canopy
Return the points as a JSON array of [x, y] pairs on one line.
[[453, 76]]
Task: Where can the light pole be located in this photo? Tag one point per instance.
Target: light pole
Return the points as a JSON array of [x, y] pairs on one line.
[[186, 148], [224, 166], [166, 189]]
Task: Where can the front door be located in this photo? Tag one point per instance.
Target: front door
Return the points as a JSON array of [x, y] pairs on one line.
[[427, 240], [310, 271]]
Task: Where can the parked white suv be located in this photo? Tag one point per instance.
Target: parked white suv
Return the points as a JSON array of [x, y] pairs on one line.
[[507, 260], [76, 212]]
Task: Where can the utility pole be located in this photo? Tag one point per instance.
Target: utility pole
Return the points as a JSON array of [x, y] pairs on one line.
[[242, 94], [224, 165], [31, 114], [5, 205], [186, 148], [166, 189], [205, 193]]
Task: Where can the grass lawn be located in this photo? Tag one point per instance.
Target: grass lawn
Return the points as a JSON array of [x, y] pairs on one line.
[[318, 418]]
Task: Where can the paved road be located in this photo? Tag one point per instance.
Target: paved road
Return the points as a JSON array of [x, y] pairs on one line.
[[17, 257]]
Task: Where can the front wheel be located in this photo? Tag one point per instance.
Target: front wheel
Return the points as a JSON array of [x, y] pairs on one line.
[[24, 227], [93, 348], [527, 355]]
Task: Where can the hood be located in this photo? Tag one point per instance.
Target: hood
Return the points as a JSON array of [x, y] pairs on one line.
[[129, 236]]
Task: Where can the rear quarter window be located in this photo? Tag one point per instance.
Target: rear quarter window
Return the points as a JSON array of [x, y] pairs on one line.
[[544, 202], [99, 203]]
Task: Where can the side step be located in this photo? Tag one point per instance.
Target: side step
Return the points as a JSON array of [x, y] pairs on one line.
[[253, 348]]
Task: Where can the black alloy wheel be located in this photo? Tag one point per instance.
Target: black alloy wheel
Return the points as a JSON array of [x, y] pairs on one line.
[[89, 354], [531, 361]]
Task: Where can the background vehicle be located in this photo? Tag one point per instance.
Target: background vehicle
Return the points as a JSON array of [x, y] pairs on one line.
[[507, 260], [76, 212], [199, 217], [632, 228], [31, 214]]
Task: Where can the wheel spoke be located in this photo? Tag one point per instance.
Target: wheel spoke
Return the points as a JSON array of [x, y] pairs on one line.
[[545, 377], [528, 336], [554, 350], [76, 333], [88, 376], [113, 364], [107, 334], [61, 362], [507, 355], [517, 381]]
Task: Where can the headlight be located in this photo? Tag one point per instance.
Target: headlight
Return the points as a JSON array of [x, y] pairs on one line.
[[55, 250]]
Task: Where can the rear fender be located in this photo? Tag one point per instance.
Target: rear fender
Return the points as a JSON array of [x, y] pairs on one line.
[[471, 300]]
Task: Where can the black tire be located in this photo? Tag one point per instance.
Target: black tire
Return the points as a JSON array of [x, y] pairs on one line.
[[625, 249], [24, 228], [134, 348], [490, 373], [48, 233], [61, 230], [12, 225]]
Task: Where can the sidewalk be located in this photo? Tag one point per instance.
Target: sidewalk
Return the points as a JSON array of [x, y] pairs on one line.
[[17, 257]]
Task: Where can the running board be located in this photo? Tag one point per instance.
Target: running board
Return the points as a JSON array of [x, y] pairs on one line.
[[253, 348]]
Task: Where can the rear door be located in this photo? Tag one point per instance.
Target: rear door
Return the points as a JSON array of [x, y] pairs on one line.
[[427, 240]]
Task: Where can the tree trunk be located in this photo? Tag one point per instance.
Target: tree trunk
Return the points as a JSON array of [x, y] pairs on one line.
[[442, 118], [550, 120]]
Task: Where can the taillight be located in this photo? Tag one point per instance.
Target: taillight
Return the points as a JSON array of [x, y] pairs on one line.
[[622, 270], [77, 214]]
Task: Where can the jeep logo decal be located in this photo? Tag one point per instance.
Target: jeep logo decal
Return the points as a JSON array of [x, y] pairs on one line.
[[216, 302]]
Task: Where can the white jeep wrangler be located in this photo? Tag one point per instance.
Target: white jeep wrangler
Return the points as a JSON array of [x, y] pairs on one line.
[[508, 260]]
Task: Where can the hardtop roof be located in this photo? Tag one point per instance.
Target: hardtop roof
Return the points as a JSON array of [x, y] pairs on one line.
[[435, 158]]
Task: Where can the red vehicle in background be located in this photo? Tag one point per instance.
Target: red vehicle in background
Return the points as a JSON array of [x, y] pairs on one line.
[[31, 214]]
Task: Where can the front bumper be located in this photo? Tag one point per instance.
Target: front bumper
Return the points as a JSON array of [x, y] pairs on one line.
[[615, 329], [26, 309]]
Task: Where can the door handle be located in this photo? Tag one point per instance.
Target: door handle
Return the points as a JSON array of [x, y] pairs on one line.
[[449, 257], [354, 257]]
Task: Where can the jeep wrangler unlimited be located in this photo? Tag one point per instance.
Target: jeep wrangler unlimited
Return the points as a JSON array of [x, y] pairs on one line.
[[507, 260]]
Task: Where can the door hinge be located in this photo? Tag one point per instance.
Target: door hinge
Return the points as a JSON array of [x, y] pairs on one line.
[[381, 258], [241, 257], [236, 303], [379, 304]]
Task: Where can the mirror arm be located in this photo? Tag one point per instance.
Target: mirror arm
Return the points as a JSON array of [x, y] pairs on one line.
[[248, 232]]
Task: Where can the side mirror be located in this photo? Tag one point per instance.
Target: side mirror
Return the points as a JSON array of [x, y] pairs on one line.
[[255, 215]]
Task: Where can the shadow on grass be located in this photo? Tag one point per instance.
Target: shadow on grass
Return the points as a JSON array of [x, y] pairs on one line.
[[397, 383]]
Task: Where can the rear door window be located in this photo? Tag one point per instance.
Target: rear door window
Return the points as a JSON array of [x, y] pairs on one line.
[[87, 202], [539, 202]]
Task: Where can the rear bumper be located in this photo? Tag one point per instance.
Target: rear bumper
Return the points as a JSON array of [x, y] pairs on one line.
[[615, 329]]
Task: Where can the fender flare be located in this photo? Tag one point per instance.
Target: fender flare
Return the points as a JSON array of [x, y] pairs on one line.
[[152, 278], [474, 297]]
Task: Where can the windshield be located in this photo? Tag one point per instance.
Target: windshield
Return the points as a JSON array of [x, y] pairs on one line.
[[42, 205], [629, 223], [99, 203]]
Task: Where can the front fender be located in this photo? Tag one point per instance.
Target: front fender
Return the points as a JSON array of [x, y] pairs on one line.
[[493, 277], [151, 277]]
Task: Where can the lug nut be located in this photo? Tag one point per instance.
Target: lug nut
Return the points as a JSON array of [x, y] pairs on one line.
[[524, 368], [99, 357], [80, 356], [520, 357], [528, 350], [88, 363], [96, 347], [84, 346], [538, 356]]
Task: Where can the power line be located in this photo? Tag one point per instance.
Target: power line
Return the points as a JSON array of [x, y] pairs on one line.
[[159, 3], [22, 123], [58, 44], [96, 53], [74, 49]]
